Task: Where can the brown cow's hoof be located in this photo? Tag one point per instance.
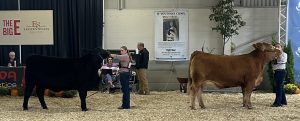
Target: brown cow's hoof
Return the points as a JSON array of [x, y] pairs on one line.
[[203, 107], [193, 107], [244, 105]]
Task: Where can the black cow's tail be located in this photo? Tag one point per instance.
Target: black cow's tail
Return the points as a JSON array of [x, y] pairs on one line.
[[29, 85]]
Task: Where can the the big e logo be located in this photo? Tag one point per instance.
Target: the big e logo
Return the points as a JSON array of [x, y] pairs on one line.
[[11, 27]]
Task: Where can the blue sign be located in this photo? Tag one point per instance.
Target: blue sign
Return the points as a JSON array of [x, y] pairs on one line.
[[294, 33]]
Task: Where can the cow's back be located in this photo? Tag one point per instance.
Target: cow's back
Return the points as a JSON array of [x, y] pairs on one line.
[[56, 73], [224, 71]]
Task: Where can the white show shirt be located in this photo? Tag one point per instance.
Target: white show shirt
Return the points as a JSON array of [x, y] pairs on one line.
[[280, 62]]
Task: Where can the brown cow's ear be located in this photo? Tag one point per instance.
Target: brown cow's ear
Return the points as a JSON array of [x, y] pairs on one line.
[[262, 46], [255, 46], [259, 46]]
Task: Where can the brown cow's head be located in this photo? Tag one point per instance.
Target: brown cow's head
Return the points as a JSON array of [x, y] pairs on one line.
[[269, 51]]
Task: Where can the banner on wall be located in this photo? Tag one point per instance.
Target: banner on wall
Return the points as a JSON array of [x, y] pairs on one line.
[[294, 33], [171, 35], [28, 27], [12, 76]]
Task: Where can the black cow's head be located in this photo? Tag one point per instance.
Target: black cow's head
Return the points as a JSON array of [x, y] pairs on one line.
[[95, 57], [93, 61]]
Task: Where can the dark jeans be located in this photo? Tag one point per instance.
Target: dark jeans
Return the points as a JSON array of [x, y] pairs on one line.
[[124, 79], [280, 94]]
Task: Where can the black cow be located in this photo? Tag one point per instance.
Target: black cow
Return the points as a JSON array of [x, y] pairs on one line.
[[62, 74]]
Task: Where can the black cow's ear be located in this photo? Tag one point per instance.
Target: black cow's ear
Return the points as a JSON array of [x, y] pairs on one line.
[[108, 52]]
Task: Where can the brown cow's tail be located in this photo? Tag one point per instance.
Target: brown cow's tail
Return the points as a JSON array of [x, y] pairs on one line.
[[189, 84], [189, 79]]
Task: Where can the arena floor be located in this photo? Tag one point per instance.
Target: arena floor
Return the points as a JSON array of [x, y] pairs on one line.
[[159, 106]]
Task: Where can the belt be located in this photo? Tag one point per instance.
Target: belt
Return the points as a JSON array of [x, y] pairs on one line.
[[280, 70], [125, 67]]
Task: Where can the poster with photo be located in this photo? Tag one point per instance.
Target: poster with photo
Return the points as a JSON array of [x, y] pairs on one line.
[[171, 35], [171, 28]]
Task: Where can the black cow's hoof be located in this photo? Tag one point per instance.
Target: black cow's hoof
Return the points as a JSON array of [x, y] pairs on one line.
[[45, 108], [84, 109], [25, 109]]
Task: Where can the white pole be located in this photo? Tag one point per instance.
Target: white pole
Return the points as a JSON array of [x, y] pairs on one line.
[[103, 23], [20, 46], [279, 18], [287, 22]]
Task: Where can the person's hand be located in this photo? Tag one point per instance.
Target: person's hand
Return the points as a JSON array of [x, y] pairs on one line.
[[113, 55], [274, 62], [99, 72]]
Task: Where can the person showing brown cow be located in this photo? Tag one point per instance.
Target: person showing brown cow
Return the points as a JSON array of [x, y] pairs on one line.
[[229, 71]]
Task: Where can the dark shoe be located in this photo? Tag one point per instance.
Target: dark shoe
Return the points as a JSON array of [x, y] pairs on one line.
[[147, 93], [140, 92], [122, 107], [276, 105]]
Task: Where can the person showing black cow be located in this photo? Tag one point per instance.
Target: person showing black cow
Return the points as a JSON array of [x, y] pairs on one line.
[[62, 74], [124, 76]]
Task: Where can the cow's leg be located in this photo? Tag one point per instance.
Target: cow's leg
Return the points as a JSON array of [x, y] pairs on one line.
[[200, 100], [28, 90], [82, 95], [244, 98], [40, 93], [248, 91], [194, 91]]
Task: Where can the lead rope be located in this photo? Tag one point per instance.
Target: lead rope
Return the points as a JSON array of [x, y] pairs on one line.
[[98, 90], [92, 94]]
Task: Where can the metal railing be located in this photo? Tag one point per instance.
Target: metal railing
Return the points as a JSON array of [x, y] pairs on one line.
[[256, 3]]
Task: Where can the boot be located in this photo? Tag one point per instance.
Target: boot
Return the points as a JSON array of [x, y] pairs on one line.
[[141, 92], [147, 92]]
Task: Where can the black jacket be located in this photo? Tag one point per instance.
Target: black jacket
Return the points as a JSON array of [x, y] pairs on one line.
[[142, 59]]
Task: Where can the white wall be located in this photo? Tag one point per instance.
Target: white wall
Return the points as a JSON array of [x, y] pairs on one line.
[[260, 22], [142, 4], [129, 26]]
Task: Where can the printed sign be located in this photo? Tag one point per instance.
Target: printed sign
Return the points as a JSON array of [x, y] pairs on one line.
[[171, 35], [12, 76], [294, 33], [28, 27]]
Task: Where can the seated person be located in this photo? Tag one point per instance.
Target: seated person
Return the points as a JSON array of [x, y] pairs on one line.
[[12, 62], [114, 67]]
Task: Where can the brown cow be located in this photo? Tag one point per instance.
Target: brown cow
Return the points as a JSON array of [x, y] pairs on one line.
[[229, 71]]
